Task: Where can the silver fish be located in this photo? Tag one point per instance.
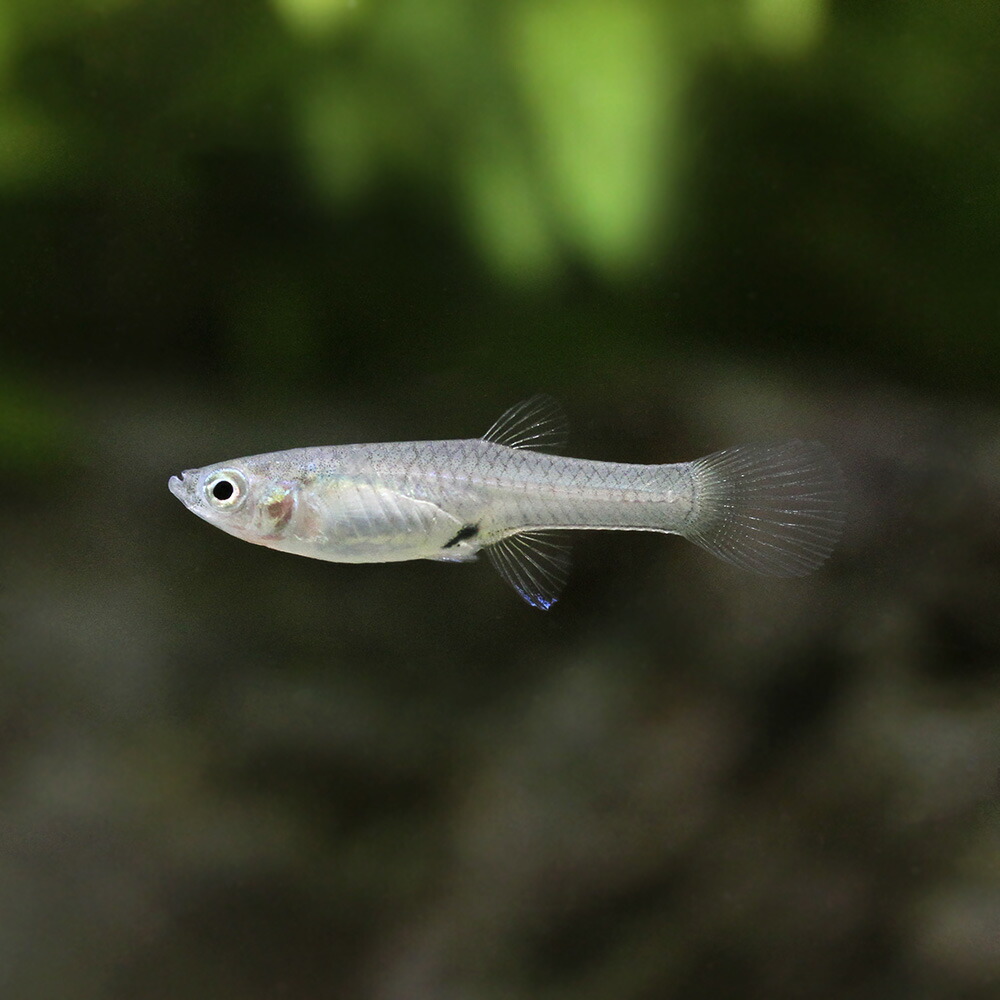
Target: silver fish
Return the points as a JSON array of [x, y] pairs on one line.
[[777, 509]]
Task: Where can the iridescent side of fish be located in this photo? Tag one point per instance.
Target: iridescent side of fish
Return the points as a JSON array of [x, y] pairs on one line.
[[777, 509]]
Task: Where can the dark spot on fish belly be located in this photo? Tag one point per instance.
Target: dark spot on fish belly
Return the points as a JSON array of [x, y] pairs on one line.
[[468, 531]]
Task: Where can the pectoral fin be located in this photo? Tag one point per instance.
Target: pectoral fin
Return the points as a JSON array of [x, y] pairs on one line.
[[534, 563], [376, 524]]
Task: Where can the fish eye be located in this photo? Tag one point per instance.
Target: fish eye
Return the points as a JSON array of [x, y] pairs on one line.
[[225, 489]]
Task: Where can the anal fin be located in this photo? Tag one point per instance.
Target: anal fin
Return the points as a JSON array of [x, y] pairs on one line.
[[534, 563]]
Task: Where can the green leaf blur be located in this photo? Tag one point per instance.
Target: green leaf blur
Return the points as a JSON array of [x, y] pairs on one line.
[[155, 154]]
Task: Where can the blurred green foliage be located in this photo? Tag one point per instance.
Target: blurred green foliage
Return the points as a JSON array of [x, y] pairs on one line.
[[317, 189]]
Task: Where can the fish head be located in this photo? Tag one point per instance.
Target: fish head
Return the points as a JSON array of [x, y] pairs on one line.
[[240, 497]]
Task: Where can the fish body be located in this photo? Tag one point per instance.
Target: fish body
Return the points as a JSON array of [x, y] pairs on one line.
[[776, 509]]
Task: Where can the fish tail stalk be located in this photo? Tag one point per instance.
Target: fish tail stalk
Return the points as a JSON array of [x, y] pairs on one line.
[[776, 509]]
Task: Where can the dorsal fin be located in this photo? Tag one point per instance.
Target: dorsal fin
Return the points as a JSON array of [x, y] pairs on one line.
[[534, 563], [538, 422]]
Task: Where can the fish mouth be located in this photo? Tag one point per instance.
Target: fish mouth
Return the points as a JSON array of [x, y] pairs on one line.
[[178, 486]]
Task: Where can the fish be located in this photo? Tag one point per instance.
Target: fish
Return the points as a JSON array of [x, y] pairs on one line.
[[777, 509]]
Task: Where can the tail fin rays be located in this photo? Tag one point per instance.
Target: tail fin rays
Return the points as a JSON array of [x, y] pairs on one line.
[[776, 509]]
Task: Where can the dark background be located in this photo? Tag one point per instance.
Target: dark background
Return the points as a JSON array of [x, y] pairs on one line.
[[231, 227]]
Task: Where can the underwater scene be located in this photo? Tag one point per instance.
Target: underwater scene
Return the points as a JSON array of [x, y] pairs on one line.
[[589, 416]]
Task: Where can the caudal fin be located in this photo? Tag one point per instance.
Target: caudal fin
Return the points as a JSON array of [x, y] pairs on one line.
[[776, 509]]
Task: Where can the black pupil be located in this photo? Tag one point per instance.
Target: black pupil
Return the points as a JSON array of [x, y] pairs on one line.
[[223, 490]]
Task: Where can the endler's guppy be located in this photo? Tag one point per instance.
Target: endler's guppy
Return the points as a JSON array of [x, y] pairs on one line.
[[777, 509]]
